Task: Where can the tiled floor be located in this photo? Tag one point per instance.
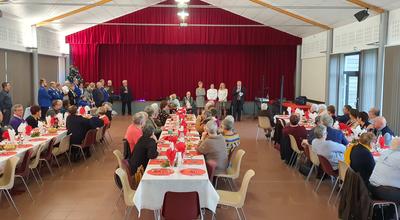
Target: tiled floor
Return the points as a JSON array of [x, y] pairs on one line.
[[87, 191]]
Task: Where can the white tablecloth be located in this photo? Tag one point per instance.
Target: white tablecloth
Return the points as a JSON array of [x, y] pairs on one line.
[[151, 190], [35, 145]]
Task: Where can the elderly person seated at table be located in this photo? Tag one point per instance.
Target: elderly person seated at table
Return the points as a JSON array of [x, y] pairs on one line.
[[313, 108], [188, 102], [352, 123], [333, 134], [102, 111], [174, 102], [381, 128], [213, 146], [201, 120], [346, 115], [33, 119], [322, 109], [134, 131], [332, 151], [232, 138], [372, 114], [362, 120], [108, 106], [311, 134], [359, 156], [55, 108], [150, 120], [294, 129], [145, 149], [164, 113], [16, 119], [385, 178], [156, 113], [331, 110]]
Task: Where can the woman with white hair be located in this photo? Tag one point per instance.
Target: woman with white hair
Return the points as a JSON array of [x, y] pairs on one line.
[[322, 109], [134, 131], [385, 178], [212, 145], [232, 138], [151, 120]]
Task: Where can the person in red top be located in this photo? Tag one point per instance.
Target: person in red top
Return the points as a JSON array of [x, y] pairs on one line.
[[134, 131], [297, 131], [102, 115]]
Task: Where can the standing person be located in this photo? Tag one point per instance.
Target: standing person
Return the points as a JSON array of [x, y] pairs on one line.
[[72, 96], [89, 93], [188, 102], [104, 91], [53, 93], [77, 90], [44, 99], [5, 102], [98, 95], [126, 97], [60, 92], [212, 93], [110, 90], [200, 93], [222, 99], [238, 100]]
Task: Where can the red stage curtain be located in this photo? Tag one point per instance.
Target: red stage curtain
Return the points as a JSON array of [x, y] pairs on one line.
[[86, 57], [155, 71]]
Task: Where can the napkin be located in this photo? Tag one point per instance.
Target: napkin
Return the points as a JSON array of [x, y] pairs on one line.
[[289, 110], [48, 120], [381, 141], [53, 121], [40, 125], [180, 147], [82, 111], [336, 125], [60, 119], [28, 130], [171, 156], [357, 131], [65, 116], [313, 116], [172, 139], [6, 135], [21, 128], [307, 115], [87, 109], [345, 128], [11, 132]]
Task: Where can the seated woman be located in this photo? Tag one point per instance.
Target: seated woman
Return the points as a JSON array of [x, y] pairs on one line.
[[55, 108], [332, 151], [145, 149], [108, 107], [17, 112], [232, 138], [150, 120], [360, 157], [385, 178], [363, 120], [134, 131], [213, 146], [352, 123], [164, 113], [33, 119], [174, 102], [102, 111], [200, 121]]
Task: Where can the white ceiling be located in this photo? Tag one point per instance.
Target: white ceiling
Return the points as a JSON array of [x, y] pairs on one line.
[[333, 13]]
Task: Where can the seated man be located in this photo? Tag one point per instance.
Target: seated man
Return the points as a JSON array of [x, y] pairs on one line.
[[346, 115], [297, 131], [333, 134], [381, 128], [232, 138], [332, 151], [145, 149], [213, 146], [17, 112], [55, 108]]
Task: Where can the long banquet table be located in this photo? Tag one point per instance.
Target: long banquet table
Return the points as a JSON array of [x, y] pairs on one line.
[[33, 145], [151, 190]]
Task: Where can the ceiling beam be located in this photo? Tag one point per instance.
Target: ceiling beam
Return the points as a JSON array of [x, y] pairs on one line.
[[366, 5], [73, 12], [291, 14]]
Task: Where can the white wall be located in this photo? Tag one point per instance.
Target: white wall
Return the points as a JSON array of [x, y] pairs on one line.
[[394, 28], [313, 66]]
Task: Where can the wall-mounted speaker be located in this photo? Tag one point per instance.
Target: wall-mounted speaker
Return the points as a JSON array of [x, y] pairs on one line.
[[361, 15]]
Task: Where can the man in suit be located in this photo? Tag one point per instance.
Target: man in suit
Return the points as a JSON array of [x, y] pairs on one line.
[[98, 95], [126, 97], [238, 100], [5, 102]]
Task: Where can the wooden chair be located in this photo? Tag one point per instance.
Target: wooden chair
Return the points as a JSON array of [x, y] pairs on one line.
[[233, 171], [263, 123]]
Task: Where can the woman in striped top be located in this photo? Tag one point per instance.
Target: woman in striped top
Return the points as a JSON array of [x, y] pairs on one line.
[[232, 138]]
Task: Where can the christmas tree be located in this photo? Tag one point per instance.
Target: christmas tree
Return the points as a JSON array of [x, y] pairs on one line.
[[74, 74]]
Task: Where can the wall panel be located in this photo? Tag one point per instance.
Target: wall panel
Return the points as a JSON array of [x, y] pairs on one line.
[[48, 68], [313, 77]]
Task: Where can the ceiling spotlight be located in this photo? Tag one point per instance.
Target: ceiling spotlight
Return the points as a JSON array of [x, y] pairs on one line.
[[361, 15], [182, 1], [183, 14]]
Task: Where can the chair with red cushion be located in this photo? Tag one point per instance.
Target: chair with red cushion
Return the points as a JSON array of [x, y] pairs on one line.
[[22, 170], [211, 166], [47, 155], [328, 170], [181, 206], [89, 141]]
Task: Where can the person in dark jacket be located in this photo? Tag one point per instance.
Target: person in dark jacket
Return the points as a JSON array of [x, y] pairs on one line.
[[363, 120], [44, 99], [53, 92], [346, 114], [16, 120], [5, 102], [381, 128], [361, 159], [126, 97], [110, 91], [78, 126], [239, 93], [145, 149], [98, 95], [77, 90], [333, 134], [33, 119], [56, 107]]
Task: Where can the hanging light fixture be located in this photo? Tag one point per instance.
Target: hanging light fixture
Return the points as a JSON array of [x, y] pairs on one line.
[[182, 1], [183, 15]]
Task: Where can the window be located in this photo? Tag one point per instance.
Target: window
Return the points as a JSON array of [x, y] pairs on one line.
[[351, 80]]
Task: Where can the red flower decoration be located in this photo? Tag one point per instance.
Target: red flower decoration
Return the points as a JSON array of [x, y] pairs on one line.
[[53, 121], [6, 135], [82, 111], [28, 130], [171, 156]]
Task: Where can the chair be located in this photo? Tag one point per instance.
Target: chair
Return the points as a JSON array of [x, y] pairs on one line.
[[343, 167], [236, 199], [119, 157], [22, 171], [99, 137], [7, 180], [181, 206], [211, 165], [63, 148], [328, 170], [35, 162], [233, 171], [129, 193], [263, 123], [297, 153], [314, 160], [127, 149], [89, 141], [107, 132], [47, 157]]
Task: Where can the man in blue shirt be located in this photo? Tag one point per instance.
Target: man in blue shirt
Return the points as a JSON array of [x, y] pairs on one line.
[[53, 93], [44, 99]]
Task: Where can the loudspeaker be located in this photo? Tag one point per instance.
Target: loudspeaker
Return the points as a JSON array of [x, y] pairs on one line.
[[361, 15]]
